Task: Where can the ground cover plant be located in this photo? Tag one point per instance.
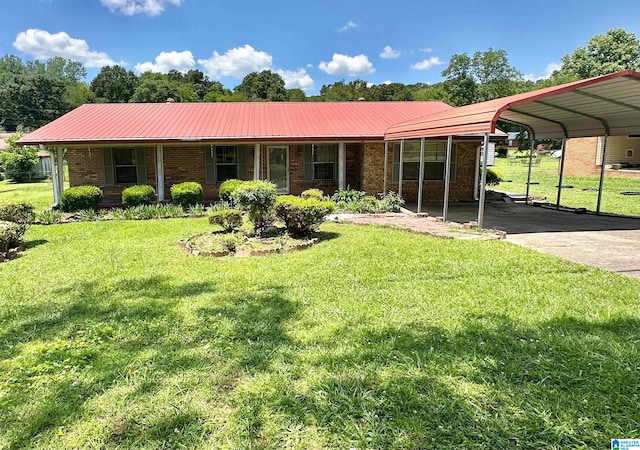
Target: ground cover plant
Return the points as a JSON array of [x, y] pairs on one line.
[[582, 194], [112, 337]]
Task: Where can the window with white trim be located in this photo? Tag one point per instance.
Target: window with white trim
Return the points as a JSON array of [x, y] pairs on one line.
[[124, 166], [225, 162], [320, 162], [435, 157]]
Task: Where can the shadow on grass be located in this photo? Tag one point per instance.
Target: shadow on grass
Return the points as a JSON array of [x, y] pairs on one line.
[[494, 384], [35, 242], [133, 335]]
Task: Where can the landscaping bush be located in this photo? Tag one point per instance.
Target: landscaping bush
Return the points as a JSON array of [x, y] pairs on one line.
[[138, 195], [228, 189], [48, 217], [391, 202], [19, 212], [348, 195], [494, 177], [257, 199], [11, 235], [301, 216], [187, 194], [313, 193], [18, 162], [229, 219], [502, 152], [80, 197]]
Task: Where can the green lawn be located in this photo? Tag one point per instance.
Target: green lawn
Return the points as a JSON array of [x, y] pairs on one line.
[[39, 194], [111, 337], [546, 173]]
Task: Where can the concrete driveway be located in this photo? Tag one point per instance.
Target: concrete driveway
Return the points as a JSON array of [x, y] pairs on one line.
[[611, 243]]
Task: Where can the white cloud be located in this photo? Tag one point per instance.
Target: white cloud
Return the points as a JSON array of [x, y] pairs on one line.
[[387, 82], [389, 53], [348, 26], [131, 7], [166, 61], [237, 62], [427, 63], [352, 66], [43, 45], [296, 79], [548, 71]]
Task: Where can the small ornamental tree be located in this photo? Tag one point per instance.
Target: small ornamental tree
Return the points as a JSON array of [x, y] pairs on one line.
[[18, 162], [257, 198], [301, 216], [228, 189]]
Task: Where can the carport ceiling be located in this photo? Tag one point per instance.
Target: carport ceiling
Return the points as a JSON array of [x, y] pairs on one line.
[[604, 105]]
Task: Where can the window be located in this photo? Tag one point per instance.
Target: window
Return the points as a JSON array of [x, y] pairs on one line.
[[225, 162], [124, 166], [320, 161], [435, 157]]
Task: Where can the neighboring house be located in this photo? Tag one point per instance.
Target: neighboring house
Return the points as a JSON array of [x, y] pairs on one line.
[[584, 156], [296, 145]]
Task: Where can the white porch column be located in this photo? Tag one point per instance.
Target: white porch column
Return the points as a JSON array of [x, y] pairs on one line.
[[54, 178], [400, 168], [342, 165], [604, 161], [483, 179], [447, 178], [420, 176], [60, 174], [386, 164], [256, 162], [160, 172]]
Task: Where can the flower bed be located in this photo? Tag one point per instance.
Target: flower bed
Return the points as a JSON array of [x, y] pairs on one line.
[[219, 244]]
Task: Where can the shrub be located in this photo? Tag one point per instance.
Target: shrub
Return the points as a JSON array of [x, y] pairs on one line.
[[19, 212], [138, 195], [391, 202], [348, 195], [502, 152], [80, 197], [228, 189], [257, 199], [369, 205], [196, 210], [494, 177], [87, 215], [18, 162], [229, 219], [313, 193], [48, 216], [301, 216], [11, 235], [187, 194]]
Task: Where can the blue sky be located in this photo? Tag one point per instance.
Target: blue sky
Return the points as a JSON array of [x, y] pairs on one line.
[[310, 43]]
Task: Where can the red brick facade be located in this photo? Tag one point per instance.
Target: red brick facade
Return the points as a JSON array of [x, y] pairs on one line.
[[364, 170]]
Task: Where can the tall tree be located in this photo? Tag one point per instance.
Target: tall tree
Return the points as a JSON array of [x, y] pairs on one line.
[[345, 92], [265, 85], [390, 92], [613, 51], [296, 95], [114, 84]]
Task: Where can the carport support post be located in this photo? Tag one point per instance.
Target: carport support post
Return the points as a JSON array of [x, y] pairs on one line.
[[60, 174], [342, 163], [483, 180], [604, 160], [447, 178], [526, 198], [561, 175], [420, 176], [400, 168], [386, 164], [160, 172], [256, 162]]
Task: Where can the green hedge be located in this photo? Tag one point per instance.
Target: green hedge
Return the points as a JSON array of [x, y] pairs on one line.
[[11, 235], [138, 195], [313, 193], [228, 189], [494, 177], [187, 194], [19, 212], [229, 219], [80, 197], [301, 216]]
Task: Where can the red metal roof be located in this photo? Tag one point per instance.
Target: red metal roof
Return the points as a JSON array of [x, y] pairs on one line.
[[592, 107], [180, 122]]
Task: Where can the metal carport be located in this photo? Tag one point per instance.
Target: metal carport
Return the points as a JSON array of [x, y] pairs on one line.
[[603, 106]]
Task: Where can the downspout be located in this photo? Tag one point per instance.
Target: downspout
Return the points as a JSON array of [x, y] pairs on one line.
[[386, 164], [420, 176]]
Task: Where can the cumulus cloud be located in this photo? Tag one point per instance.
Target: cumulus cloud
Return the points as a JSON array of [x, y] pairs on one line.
[[237, 62], [548, 71], [388, 82], [348, 26], [166, 61], [43, 45], [389, 53], [296, 79], [132, 7], [427, 63], [352, 66]]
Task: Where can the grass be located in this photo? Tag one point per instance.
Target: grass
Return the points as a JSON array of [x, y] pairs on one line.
[[39, 194], [112, 337], [546, 173]]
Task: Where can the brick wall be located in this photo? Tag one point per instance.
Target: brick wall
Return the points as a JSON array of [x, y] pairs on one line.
[[432, 191]]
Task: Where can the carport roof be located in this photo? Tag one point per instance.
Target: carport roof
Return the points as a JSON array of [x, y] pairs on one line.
[[608, 104]]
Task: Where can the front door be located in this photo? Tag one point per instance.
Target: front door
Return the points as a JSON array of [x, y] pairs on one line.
[[278, 168]]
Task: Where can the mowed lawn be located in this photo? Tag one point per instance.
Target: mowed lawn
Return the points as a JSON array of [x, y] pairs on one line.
[[39, 194], [546, 174], [111, 337]]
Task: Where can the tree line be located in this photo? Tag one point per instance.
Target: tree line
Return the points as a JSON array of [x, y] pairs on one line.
[[34, 93]]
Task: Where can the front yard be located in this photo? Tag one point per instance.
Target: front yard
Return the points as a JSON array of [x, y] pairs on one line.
[[112, 337]]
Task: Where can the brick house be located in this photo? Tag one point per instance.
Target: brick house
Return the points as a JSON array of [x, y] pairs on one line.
[[296, 145], [584, 156]]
